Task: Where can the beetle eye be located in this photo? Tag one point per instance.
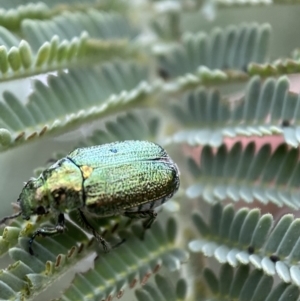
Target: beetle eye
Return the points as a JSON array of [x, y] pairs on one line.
[[40, 210]]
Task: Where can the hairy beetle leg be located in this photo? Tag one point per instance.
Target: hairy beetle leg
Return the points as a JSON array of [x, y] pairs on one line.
[[49, 231], [149, 214], [3, 220], [98, 237]]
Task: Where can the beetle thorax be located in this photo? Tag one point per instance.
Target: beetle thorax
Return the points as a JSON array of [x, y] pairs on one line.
[[63, 186], [29, 202]]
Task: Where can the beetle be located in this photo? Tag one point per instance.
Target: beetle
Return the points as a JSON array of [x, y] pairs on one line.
[[127, 178]]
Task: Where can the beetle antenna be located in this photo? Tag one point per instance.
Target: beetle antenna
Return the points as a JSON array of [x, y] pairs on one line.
[[3, 220]]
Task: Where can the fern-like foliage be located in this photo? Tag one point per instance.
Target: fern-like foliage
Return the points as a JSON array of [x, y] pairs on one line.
[[162, 289], [126, 127], [13, 13], [53, 256], [246, 285], [91, 94], [193, 76], [267, 108], [114, 273], [8, 39], [70, 25], [249, 239], [282, 66], [242, 174], [232, 48], [48, 46], [25, 277], [12, 18], [20, 61]]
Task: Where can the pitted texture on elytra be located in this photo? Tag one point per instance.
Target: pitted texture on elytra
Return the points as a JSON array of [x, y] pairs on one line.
[[126, 175], [118, 152]]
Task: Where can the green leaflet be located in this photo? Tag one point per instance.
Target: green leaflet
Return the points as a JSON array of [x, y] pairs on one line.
[[162, 288], [267, 108], [244, 174], [55, 255], [245, 285], [131, 263], [231, 48], [86, 96], [247, 237]]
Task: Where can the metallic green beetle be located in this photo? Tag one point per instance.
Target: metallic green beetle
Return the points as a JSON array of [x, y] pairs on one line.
[[129, 178]]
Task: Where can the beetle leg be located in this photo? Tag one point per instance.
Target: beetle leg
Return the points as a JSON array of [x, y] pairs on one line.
[[149, 214], [3, 220], [48, 231], [98, 237]]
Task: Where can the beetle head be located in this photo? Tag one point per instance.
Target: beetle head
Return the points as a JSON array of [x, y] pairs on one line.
[[30, 201]]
